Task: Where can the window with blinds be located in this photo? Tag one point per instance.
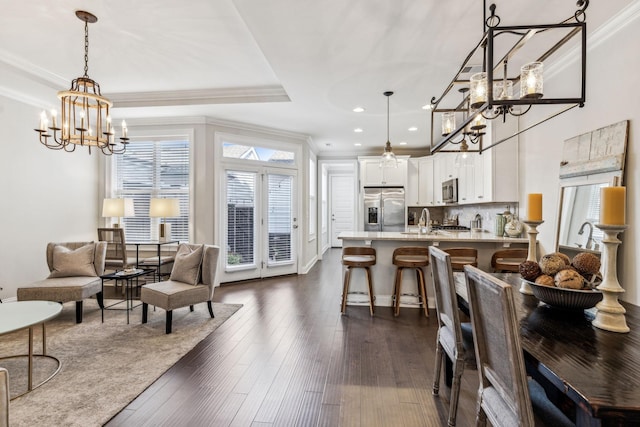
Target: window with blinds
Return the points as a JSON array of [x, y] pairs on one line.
[[153, 169]]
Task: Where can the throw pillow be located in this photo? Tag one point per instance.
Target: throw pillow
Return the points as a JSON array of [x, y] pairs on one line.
[[69, 263], [186, 267]]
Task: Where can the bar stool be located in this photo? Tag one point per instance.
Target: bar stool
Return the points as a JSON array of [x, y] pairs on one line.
[[358, 257], [410, 257], [508, 260], [461, 257]]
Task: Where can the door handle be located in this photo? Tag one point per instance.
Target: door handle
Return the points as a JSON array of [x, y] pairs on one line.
[[295, 226]]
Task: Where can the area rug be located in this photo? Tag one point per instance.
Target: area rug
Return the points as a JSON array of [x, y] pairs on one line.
[[104, 365]]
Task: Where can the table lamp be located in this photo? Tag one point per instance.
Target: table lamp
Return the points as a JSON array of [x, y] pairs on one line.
[[117, 208], [164, 208]]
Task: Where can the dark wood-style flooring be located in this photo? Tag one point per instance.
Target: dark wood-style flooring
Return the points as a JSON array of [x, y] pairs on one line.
[[289, 358]]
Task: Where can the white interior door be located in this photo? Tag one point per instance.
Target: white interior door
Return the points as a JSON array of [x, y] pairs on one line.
[[342, 208], [261, 224]]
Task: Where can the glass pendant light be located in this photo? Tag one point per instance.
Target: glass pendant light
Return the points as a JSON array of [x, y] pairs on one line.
[[388, 159], [463, 159]]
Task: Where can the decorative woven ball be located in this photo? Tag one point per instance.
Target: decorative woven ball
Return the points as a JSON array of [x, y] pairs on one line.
[[529, 270], [586, 263], [564, 257], [550, 264], [545, 280], [569, 279]]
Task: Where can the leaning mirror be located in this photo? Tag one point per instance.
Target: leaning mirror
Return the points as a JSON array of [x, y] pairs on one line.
[[589, 162], [579, 211]]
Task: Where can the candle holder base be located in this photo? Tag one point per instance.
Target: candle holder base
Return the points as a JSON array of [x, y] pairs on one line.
[[609, 312], [532, 231]]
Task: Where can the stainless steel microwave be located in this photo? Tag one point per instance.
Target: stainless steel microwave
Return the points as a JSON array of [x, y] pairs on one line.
[[450, 191]]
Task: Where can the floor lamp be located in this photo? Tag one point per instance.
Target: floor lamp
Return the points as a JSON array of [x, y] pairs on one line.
[[163, 209], [117, 208]]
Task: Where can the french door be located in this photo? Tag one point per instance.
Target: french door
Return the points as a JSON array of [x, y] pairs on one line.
[[261, 223]]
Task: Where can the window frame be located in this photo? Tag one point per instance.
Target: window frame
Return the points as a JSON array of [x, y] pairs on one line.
[[110, 186]]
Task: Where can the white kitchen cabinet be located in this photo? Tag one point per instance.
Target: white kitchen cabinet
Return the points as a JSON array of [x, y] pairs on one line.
[[443, 170], [494, 176], [372, 175], [420, 182]]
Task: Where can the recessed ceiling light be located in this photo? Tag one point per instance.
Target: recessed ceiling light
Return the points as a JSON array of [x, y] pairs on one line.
[[358, 110], [426, 107], [357, 130], [403, 143], [413, 129], [357, 144]]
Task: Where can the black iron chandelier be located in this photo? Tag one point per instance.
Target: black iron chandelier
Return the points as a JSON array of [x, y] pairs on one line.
[[489, 92], [84, 118]]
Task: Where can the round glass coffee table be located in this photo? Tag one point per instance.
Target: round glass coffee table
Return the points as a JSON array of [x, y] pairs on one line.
[[15, 316]]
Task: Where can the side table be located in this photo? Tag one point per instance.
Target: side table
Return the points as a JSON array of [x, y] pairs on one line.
[[128, 278]]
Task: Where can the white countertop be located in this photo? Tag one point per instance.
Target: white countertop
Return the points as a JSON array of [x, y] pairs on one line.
[[434, 236]]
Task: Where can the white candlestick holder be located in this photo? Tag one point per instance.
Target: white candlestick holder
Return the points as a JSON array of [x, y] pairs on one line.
[[532, 231], [609, 312]]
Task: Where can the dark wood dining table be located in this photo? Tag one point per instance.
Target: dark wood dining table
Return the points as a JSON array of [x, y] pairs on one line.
[[594, 371]]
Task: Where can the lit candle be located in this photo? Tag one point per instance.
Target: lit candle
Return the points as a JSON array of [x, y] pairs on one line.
[[534, 207], [108, 125], [82, 120], [124, 129], [54, 117], [612, 205], [531, 84], [43, 121]]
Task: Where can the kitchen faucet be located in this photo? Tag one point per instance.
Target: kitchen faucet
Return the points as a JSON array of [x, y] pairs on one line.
[[590, 236], [425, 221]]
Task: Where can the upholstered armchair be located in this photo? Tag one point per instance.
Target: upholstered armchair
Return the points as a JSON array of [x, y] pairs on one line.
[[75, 269], [191, 282]]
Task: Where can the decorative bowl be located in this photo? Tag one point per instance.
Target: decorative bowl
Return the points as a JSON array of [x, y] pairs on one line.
[[574, 299]]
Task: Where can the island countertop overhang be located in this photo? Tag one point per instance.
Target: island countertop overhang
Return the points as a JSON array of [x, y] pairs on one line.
[[436, 236]]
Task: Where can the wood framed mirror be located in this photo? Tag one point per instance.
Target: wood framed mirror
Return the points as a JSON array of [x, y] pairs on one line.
[[589, 162]]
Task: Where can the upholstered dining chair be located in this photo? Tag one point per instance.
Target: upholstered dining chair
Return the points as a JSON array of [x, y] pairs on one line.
[[191, 282], [454, 339], [4, 398], [506, 397]]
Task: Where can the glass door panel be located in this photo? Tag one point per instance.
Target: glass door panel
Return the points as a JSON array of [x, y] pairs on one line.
[[279, 218], [241, 212]]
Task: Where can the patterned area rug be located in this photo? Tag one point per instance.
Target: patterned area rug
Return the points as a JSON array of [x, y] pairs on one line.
[[104, 365]]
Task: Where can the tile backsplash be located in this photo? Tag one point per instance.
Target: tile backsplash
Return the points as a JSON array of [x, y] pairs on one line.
[[465, 213], [487, 211]]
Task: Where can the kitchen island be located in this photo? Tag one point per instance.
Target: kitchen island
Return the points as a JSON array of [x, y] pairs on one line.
[[386, 242]]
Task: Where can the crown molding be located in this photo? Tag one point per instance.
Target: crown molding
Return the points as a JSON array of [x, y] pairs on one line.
[[610, 28], [234, 95], [217, 123]]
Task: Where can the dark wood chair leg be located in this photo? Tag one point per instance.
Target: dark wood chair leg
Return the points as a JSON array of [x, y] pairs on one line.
[[145, 308], [78, 311], [168, 321], [210, 305], [100, 299], [191, 308]]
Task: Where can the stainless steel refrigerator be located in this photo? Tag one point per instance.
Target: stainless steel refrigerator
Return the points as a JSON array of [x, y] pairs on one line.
[[384, 209]]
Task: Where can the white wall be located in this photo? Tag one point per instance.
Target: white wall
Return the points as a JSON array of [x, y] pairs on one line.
[[612, 75], [46, 196]]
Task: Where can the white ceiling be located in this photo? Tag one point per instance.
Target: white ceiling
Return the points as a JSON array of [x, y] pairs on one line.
[[295, 65]]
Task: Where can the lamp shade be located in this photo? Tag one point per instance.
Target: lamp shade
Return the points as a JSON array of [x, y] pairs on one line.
[[164, 208], [117, 208]]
